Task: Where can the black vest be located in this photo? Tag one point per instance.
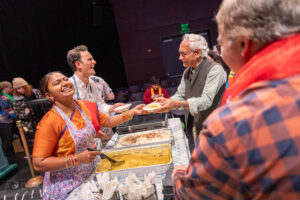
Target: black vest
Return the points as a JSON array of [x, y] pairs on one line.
[[194, 85]]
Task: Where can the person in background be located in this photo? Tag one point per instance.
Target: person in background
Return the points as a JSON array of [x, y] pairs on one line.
[[250, 147], [201, 87], [103, 88], [64, 134], [227, 92], [6, 90], [7, 118], [23, 92], [217, 50], [214, 56], [83, 64], [154, 91]]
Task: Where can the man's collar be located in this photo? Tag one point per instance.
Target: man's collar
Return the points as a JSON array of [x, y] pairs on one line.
[[194, 69], [79, 82]]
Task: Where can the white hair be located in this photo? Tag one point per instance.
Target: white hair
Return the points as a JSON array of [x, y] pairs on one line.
[[263, 21], [197, 42]]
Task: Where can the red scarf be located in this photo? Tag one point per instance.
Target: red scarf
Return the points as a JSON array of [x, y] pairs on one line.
[[278, 60]]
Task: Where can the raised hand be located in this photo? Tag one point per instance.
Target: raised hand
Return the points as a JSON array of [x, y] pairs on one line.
[[167, 105]]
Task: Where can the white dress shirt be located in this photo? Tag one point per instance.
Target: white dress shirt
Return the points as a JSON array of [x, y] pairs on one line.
[[89, 92]]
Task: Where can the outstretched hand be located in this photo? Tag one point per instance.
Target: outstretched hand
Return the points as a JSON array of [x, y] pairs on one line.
[[160, 99], [113, 107], [138, 110], [166, 105]]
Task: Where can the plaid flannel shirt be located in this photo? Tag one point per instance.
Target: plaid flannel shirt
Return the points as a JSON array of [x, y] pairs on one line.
[[249, 148]]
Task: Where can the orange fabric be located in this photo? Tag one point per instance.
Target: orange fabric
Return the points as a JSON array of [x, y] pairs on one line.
[[268, 64], [46, 141], [159, 91]]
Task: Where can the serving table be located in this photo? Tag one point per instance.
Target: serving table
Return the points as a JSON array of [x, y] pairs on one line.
[[180, 156]]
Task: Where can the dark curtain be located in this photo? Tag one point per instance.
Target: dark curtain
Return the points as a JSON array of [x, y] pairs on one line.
[[35, 36]]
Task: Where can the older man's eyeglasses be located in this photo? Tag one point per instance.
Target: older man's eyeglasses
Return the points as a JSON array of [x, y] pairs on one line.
[[183, 54]]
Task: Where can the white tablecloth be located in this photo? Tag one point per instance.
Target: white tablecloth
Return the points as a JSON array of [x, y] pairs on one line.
[[180, 155]]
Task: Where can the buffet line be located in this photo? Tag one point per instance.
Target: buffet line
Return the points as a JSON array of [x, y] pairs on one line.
[[137, 165]]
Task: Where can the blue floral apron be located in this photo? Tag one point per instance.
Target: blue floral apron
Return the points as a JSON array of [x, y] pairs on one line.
[[58, 184]]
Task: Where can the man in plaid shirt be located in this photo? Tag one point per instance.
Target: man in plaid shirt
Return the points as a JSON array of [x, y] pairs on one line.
[[250, 147]]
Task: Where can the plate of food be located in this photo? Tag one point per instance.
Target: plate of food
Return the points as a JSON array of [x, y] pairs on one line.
[[152, 106], [123, 108]]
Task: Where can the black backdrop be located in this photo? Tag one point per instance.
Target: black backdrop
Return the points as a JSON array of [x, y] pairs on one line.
[[35, 36]]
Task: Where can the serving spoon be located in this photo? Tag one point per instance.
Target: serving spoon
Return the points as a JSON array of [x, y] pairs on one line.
[[113, 161]]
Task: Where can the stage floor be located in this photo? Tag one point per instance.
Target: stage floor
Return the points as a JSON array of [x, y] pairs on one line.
[[12, 186]]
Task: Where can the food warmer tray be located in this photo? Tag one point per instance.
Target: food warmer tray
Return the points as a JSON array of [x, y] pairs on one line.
[[114, 140], [140, 171], [143, 122]]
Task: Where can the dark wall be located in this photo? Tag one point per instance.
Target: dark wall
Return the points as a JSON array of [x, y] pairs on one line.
[[36, 35], [142, 23]]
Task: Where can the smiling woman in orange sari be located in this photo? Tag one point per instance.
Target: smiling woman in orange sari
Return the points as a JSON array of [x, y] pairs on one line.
[[65, 133]]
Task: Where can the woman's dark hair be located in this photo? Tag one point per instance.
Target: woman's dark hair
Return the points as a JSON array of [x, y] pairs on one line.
[[218, 59], [214, 56], [218, 48], [155, 80], [45, 82]]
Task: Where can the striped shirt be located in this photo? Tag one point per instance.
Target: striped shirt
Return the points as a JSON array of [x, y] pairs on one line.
[[249, 148]]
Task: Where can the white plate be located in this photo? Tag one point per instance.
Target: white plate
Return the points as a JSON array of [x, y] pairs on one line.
[[123, 108], [151, 107]]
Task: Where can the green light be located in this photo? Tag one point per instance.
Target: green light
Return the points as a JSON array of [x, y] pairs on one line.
[[184, 28]]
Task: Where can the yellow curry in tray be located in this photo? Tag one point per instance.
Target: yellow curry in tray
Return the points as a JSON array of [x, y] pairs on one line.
[[137, 157]]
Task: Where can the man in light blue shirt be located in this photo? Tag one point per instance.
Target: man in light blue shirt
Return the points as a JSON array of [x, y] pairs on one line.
[[201, 87]]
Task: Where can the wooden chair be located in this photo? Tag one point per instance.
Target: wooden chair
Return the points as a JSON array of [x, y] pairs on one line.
[[37, 108], [35, 180]]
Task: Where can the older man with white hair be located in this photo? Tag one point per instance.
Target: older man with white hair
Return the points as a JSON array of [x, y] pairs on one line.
[[250, 147], [201, 87]]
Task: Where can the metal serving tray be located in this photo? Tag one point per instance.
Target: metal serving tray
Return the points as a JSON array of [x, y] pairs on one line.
[[143, 122], [114, 140], [140, 171]]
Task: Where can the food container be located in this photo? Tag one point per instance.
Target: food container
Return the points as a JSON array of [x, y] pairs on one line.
[[140, 160], [143, 138], [143, 123]]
